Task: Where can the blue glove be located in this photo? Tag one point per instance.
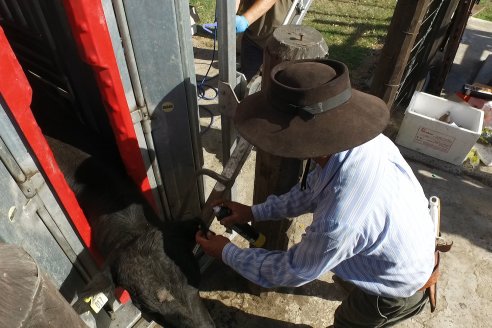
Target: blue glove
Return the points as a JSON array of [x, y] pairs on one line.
[[241, 24]]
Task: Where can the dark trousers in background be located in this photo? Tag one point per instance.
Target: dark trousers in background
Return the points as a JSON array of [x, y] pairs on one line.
[[360, 309], [251, 57]]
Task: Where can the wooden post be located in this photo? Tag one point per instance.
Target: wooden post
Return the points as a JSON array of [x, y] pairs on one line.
[[457, 28], [400, 40], [430, 70], [273, 174]]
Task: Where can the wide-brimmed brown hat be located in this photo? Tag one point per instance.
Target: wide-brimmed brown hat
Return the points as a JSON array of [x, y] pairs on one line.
[[310, 110]]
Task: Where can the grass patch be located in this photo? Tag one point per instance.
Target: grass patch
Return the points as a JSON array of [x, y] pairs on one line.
[[353, 29], [205, 9], [486, 11]]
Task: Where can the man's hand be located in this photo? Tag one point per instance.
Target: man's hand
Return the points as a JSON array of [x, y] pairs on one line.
[[240, 213], [211, 244], [241, 24]]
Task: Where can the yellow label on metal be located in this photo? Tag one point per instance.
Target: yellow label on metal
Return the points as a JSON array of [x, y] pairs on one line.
[[167, 107], [98, 301]]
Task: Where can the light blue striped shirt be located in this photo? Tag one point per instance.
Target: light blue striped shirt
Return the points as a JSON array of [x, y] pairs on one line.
[[371, 226]]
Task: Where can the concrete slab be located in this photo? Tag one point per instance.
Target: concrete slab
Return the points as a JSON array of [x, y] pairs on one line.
[[475, 47], [484, 75]]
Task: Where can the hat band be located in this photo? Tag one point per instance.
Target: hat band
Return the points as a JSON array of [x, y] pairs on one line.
[[319, 107]]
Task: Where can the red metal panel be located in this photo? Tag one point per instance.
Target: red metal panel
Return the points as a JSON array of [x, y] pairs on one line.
[[92, 36], [17, 93]]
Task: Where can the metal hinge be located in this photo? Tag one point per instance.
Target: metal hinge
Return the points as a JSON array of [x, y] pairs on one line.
[[31, 185], [137, 116]]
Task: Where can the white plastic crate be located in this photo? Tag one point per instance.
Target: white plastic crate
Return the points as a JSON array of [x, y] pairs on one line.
[[422, 131]]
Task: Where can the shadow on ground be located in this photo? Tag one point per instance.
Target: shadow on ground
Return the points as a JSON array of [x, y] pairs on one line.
[[233, 317], [229, 297], [465, 204]]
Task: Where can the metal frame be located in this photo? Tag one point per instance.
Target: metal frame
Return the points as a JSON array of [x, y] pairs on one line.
[[169, 108], [123, 48], [34, 220], [227, 67], [297, 12], [124, 85]]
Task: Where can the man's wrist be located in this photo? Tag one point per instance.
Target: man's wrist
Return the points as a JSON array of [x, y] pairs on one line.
[[258, 212], [229, 253]]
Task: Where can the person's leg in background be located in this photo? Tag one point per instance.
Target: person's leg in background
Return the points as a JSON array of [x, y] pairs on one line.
[[251, 57]]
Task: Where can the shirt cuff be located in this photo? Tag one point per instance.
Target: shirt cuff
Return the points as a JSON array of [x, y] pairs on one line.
[[229, 253], [259, 212]]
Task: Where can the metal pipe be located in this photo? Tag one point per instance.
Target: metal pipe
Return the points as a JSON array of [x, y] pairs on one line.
[[226, 35], [18, 175], [11, 164], [5, 12], [61, 241], [435, 212], [190, 88], [131, 62], [17, 12], [290, 13]]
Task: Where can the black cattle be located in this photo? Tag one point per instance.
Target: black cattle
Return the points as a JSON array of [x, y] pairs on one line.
[[151, 259]]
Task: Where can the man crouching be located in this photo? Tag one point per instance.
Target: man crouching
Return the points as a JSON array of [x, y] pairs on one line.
[[371, 224]]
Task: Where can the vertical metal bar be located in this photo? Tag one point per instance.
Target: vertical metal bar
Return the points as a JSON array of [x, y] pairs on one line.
[[5, 11], [17, 13], [155, 32], [227, 66], [120, 15], [187, 59], [29, 16], [45, 30], [20, 178], [10, 163], [119, 11], [62, 242]]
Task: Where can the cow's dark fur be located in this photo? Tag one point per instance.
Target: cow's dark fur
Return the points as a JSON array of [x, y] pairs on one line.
[[151, 259]]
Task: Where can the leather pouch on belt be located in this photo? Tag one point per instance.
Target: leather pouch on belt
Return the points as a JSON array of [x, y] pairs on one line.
[[430, 286]]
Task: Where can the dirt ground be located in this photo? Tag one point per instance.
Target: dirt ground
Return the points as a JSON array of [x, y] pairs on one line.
[[464, 289]]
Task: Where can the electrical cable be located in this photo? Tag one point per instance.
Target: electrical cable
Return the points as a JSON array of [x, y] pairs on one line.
[[202, 86]]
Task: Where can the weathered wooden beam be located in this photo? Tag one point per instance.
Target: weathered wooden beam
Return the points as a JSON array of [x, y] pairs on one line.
[[439, 38], [456, 30], [403, 31], [273, 174]]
